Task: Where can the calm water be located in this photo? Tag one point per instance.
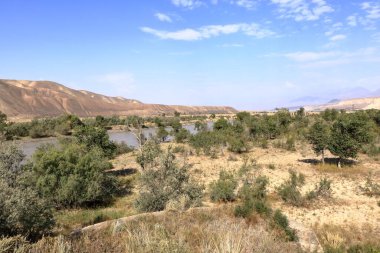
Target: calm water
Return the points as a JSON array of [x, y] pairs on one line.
[[30, 146]]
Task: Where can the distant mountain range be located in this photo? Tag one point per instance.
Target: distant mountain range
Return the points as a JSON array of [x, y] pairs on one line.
[[21, 99], [348, 104]]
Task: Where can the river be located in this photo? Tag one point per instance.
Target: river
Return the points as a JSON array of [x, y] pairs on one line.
[[30, 146]]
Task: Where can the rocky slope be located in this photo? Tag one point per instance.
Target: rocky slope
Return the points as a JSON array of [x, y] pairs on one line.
[[348, 104], [29, 99]]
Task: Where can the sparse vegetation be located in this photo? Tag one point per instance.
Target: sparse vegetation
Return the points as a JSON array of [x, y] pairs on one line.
[[223, 190], [167, 183], [289, 191]]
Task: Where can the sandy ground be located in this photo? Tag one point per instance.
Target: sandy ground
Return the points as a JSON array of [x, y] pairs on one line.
[[347, 207]]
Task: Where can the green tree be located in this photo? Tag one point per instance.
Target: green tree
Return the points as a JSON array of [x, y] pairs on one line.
[[224, 188], [162, 134], [319, 137], [221, 124], [348, 135], [22, 211], [148, 154], [93, 137], [71, 175]]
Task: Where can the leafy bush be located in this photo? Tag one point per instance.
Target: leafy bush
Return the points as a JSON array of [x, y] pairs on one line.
[[224, 188], [289, 191], [166, 183], [181, 135], [281, 221], [22, 211], [322, 189], [95, 137], [148, 155], [70, 175], [253, 198]]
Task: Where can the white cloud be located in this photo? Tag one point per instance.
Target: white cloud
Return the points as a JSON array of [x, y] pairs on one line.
[[334, 58], [163, 17], [301, 10], [232, 45], [206, 32], [338, 37], [309, 56], [352, 20], [372, 9], [189, 4], [247, 4], [214, 1]]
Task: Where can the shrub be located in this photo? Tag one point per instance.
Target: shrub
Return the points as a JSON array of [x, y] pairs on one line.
[[281, 221], [289, 191], [224, 188], [22, 211], [148, 155], [181, 135], [123, 148], [322, 189], [166, 183], [370, 188], [253, 197], [71, 175], [95, 137]]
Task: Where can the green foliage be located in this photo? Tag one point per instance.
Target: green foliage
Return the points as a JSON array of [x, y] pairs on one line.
[[281, 221], [3, 124], [319, 137], [200, 126], [348, 134], [147, 156], [162, 134], [224, 188], [322, 189], [71, 175], [22, 211], [221, 124], [289, 191], [330, 115], [167, 182], [253, 198], [181, 135], [95, 137]]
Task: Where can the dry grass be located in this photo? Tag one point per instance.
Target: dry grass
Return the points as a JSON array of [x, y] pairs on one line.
[[338, 238], [346, 171], [214, 231]]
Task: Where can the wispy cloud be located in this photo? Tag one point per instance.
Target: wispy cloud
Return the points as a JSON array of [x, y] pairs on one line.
[[338, 37], [352, 20], [232, 45], [302, 10], [189, 4], [333, 58], [372, 9], [163, 17], [247, 4], [206, 32]]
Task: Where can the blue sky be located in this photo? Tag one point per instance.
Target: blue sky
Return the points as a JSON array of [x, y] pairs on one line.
[[250, 54]]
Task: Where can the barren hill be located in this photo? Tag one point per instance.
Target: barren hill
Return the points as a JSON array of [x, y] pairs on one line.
[[28, 99], [348, 104]]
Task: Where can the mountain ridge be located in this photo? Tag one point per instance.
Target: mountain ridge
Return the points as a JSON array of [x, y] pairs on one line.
[[24, 99]]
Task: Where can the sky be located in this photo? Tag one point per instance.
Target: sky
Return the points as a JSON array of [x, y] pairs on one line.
[[249, 54]]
